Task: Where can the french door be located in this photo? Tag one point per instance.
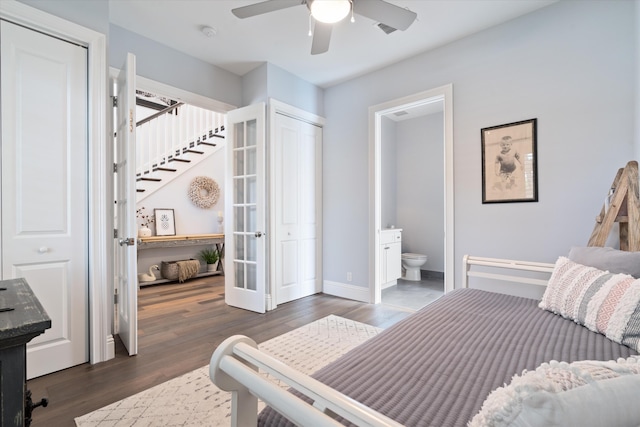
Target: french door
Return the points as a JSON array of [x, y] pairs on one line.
[[126, 257], [245, 239]]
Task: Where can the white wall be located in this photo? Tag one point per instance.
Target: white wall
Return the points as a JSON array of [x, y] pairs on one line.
[[254, 86], [293, 90], [420, 197], [269, 81], [389, 172], [571, 65], [166, 65], [92, 14]]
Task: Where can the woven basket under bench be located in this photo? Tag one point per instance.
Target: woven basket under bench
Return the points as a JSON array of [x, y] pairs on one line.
[[169, 269]]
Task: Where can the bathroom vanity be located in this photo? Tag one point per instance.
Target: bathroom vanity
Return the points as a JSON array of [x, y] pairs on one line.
[[390, 256]]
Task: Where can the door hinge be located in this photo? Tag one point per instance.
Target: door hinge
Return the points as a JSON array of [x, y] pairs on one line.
[[115, 298], [115, 168], [115, 101], [115, 233]]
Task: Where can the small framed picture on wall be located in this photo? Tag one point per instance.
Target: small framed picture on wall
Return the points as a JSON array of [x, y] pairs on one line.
[[509, 163], [165, 222]]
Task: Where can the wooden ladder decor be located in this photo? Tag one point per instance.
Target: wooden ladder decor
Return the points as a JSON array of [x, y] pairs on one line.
[[624, 208]]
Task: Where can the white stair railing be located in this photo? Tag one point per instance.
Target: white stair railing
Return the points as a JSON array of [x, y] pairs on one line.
[[170, 136]]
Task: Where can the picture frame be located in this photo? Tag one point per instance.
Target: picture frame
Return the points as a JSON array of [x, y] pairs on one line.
[[165, 222], [510, 163]]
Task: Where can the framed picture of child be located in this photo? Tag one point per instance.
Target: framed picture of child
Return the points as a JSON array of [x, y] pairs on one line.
[[509, 163]]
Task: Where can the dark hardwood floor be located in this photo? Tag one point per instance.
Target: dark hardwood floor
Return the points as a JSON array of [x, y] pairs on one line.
[[179, 326]]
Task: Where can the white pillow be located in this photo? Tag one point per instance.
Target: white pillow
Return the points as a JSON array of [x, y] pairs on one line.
[[612, 402], [584, 393]]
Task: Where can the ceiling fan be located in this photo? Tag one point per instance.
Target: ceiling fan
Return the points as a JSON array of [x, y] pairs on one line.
[[328, 12]]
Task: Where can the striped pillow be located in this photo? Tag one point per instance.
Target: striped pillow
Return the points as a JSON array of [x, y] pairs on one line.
[[604, 302]]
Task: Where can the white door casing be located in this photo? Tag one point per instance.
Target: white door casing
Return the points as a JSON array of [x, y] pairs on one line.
[[297, 203], [45, 187], [126, 262], [245, 225], [441, 95]]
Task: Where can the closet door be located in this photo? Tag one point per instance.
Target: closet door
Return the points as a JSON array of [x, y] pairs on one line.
[[45, 188], [297, 208]]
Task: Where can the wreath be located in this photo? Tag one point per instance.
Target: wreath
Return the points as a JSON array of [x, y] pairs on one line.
[[204, 192]]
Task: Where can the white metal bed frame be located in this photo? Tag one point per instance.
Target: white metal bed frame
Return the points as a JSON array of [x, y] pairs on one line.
[[235, 363], [537, 267]]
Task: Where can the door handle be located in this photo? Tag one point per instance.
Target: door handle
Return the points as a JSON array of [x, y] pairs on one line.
[[258, 234], [129, 241]]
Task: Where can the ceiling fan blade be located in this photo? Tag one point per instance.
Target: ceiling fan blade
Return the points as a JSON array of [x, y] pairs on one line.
[[264, 7], [321, 38], [386, 13]]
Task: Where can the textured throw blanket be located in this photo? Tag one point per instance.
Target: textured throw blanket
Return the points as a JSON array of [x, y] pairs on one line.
[[187, 269], [447, 357]]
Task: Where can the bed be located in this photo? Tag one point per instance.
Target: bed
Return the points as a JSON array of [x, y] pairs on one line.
[[447, 363]]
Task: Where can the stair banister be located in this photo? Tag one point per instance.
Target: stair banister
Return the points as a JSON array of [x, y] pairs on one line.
[[163, 136], [159, 113]]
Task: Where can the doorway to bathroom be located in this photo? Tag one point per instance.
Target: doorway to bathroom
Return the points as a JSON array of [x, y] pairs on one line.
[[412, 198]]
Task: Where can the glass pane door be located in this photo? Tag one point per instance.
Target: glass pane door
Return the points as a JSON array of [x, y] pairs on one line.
[[244, 234], [244, 205]]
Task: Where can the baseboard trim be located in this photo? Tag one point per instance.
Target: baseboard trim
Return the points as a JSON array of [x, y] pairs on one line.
[[343, 290], [389, 284], [111, 347], [428, 274]]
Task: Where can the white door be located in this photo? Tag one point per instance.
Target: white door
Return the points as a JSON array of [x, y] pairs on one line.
[[390, 261], [126, 268], [45, 187], [297, 203], [245, 239]]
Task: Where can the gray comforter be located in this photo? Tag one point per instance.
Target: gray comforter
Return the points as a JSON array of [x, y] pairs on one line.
[[436, 367]]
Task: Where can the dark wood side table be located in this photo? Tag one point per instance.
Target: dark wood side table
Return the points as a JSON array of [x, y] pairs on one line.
[[22, 318]]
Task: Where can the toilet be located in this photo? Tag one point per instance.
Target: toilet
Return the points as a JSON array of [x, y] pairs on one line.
[[412, 263]]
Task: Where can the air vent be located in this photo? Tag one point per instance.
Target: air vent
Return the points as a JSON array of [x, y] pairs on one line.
[[387, 29]]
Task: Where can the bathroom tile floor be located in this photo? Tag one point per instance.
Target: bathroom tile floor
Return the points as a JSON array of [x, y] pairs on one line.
[[413, 295]]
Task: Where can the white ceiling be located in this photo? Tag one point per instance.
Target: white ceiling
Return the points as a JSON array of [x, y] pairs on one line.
[[281, 37]]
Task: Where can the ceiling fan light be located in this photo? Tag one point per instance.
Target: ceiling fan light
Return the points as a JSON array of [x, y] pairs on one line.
[[330, 11]]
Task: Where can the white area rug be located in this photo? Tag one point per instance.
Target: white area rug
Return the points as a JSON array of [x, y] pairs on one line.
[[193, 400]]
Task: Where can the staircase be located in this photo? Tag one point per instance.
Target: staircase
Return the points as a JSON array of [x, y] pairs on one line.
[[171, 141]]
